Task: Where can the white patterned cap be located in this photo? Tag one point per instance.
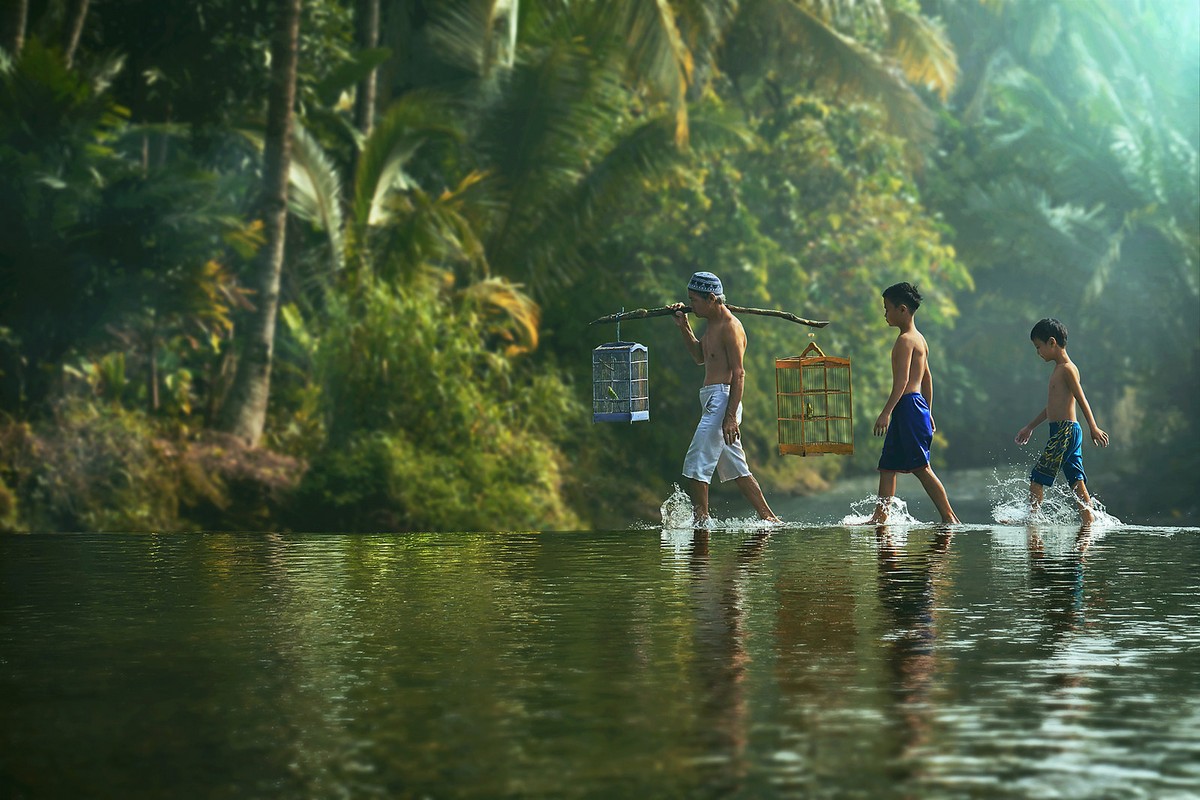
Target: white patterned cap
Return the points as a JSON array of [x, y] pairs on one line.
[[705, 283]]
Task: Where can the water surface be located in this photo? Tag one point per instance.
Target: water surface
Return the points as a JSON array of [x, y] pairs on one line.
[[994, 662]]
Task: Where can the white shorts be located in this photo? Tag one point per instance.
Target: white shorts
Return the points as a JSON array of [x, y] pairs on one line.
[[708, 451]]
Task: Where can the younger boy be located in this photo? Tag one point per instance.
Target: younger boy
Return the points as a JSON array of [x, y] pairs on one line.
[[906, 417], [1065, 448]]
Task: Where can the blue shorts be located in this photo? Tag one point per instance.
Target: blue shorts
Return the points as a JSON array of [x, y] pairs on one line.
[[909, 436], [1065, 451]]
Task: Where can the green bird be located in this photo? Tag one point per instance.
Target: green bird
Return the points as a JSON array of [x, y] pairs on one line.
[[613, 393], [808, 410]]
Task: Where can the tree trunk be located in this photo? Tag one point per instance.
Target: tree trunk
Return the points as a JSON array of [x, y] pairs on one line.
[[366, 15], [77, 15], [245, 410], [14, 27]]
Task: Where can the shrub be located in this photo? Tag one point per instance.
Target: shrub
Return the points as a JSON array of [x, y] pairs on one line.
[[429, 429]]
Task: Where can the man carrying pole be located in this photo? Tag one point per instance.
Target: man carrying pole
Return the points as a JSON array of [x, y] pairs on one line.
[[716, 445]]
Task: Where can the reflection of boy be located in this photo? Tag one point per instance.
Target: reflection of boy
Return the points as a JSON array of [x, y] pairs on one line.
[[906, 418], [716, 445], [1065, 449]]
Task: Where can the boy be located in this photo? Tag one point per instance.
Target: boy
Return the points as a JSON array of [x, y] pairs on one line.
[[1065, 448], [716, 445], [906, 417]]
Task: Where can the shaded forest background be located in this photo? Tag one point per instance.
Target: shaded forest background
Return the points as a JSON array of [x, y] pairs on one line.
[[329, 264]]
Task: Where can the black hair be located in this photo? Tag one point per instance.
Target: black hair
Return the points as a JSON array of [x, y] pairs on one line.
[[1047, 328], [903, 294]]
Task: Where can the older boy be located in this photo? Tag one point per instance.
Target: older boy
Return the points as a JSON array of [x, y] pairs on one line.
[[906, 418], [716, 445], [1065, 448]]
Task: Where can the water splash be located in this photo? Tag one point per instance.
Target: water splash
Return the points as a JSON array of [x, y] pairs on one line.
[[676, 513], [1010, 504], [864, 509]]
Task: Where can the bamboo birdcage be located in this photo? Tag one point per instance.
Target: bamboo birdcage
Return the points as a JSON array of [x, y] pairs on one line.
[[620, 382], [815, 404]]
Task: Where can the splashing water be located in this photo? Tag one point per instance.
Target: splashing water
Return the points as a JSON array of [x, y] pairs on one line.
[[676, 511], [864, 509], [677, 514], [1010, 504]]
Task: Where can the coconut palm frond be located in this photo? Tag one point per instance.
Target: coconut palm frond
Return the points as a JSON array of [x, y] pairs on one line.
[[475, 34], [510, 315], [1071, 237], [434, 230], [645, 154], [396, 137], [655, 52], [559, 110], [924, 52], [316, 189], [850, 67], [844, 13]]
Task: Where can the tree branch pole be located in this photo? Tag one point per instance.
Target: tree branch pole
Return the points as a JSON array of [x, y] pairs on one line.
[[664, 311]]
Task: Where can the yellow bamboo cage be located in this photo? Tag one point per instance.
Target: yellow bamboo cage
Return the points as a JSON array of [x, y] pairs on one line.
[[816, 409]]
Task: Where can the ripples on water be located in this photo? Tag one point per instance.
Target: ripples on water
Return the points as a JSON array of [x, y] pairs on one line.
[[743, 661]]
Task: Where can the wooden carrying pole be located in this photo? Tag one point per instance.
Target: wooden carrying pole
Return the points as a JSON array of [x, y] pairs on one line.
[[664, 311]]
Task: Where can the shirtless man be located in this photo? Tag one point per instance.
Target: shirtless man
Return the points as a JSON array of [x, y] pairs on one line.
[[1065, 448], [906, 418], [716, 445]]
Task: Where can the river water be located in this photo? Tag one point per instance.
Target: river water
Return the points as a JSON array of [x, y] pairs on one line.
[[803, 661]]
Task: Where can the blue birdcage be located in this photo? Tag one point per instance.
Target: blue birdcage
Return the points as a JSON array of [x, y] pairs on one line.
[[620, 382]]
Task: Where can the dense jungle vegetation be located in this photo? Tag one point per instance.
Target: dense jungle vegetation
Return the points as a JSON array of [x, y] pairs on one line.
[[329, 264]]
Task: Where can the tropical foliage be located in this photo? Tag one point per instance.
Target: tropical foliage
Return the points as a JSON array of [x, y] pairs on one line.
[[469, 182]]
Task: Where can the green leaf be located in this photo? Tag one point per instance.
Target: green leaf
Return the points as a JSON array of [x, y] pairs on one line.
[[350, 73]]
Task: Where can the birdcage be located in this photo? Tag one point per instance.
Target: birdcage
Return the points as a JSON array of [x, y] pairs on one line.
[[814, 402], [620, 382]]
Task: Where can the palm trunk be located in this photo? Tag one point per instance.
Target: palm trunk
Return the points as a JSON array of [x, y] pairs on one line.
[[75, 19], [367, 21], [14, 27], [245, 410]]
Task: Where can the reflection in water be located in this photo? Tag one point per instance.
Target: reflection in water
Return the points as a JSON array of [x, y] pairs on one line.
[[820, 662], [1058, 578], [909, 587], [721, 657]]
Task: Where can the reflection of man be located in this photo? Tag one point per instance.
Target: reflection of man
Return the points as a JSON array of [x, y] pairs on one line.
[[908, 588], [721, 659]]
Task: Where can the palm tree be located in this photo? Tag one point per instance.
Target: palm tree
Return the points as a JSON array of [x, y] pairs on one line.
[[367, 34], [245, 410], [14, 27], [76, 17]]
